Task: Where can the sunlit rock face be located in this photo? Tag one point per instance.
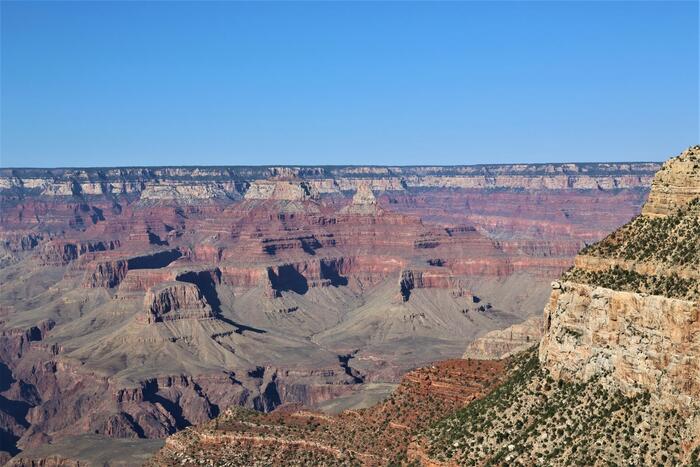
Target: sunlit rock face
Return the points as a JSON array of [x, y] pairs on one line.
[[629, 312], [677, 183]]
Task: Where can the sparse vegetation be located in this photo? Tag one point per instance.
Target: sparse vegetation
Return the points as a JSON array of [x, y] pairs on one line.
[[617, 278], [670, 246], [673, 240], [532, 420], [379, 435]]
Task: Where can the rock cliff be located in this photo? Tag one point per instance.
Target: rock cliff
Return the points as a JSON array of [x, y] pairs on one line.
[[502, 343], [175, 300], [363, 201], [615, 378], [282, 190], [629, 310], [204, 182], [643, 342], [675, 184], [374, 436]]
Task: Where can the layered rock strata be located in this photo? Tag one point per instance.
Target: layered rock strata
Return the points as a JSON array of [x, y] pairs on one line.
[[502, 343], [628, 311], [136, 302], [675, 184], [175, 300], [374, 436]]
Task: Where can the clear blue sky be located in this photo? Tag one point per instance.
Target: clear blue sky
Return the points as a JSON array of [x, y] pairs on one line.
[[156, 83]]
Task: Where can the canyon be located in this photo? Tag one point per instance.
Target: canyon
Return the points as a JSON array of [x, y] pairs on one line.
[[607, 375], [137, 302]]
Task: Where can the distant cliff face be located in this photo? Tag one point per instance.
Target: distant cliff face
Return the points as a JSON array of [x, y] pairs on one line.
[[502, 343], [629, 310], [199, 183]]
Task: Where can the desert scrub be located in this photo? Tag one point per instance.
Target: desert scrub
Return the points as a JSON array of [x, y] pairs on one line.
[[620, 279], [673, 240], [533, 420]]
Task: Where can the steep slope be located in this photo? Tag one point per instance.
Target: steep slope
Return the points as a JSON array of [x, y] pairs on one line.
[[630, 306], [535, 419], [379, 435], [616, 379]]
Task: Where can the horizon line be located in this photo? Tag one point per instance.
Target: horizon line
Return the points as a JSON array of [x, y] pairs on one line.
[[302, 166]]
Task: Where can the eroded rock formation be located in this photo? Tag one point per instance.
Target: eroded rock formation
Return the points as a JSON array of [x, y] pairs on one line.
[[502, 343], [136, 302], [675, 184], [175, 300]]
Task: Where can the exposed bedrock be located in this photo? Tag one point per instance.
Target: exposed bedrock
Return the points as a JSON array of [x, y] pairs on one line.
[[62, 252], [627, 313], [286, 278], [282, 190], [73, 403], [675, 184], [140, 280], [411, 279], [502, 343], [300, 276], [334, 271], [363, 202], [106, 274], [50, 398], [109, 274], [198, 182], [16, 242], [645, 342], [243, 276], [175, 300], [205, 277], [307, 387], [14, 343]]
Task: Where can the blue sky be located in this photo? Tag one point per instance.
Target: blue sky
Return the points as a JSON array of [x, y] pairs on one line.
[[157, 83]]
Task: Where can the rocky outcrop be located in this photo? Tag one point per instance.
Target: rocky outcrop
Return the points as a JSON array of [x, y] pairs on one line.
[[187, 193], [281, 190], [502, 343], [363, 201], [175, 300], [411, 279], [628, 312], [290, 294], [62, 252], [20, 241], [140, 280], [675, 184], [374, 436], [643, 342], [106, 274], [109, 274], [198, 182]]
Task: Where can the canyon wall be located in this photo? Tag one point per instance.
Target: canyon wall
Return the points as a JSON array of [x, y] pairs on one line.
[[213, 182], [629, 311]]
